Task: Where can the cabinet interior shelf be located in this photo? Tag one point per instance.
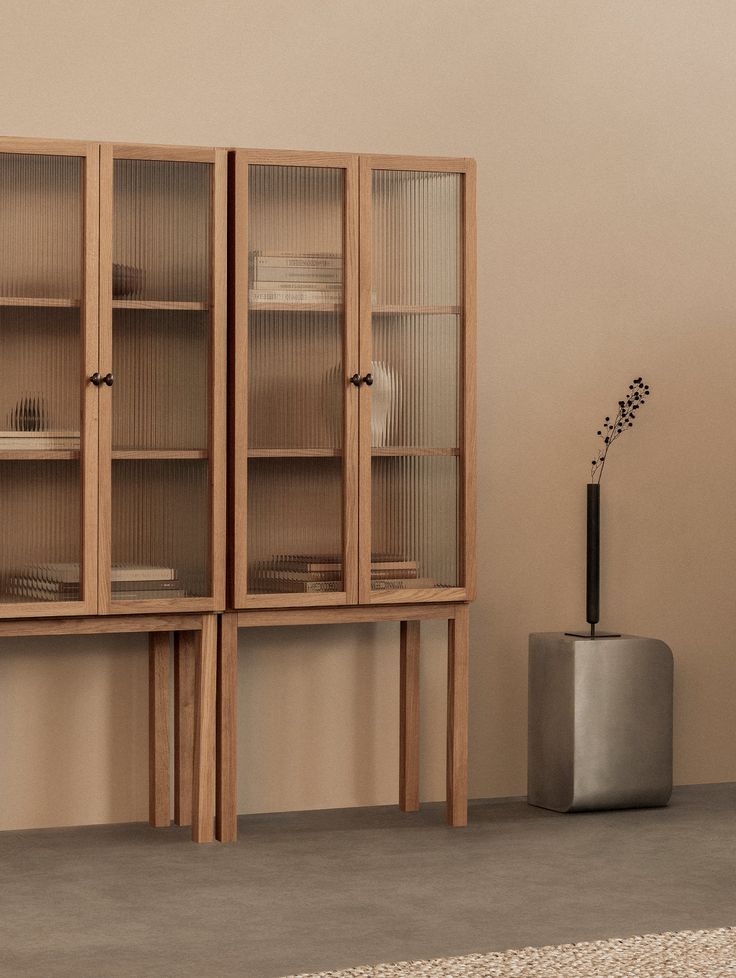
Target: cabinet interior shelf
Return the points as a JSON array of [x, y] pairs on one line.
[[64, 454], [294, 453], [158, 304], [40, 303], [154, 454], [391, 451], [417, 310], [40, 455], [296, 307], [55, 303]]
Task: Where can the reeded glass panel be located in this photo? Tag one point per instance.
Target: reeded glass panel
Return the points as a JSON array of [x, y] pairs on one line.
[[41, 218], [161, 230], [415, 398], [160, 529], [295, 542], [41, 281], [295, 378], [161, 350]]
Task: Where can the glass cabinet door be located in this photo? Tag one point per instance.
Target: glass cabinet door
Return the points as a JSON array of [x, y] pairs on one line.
[[48, 346], [416, 415], [295, 410], [162, 379]]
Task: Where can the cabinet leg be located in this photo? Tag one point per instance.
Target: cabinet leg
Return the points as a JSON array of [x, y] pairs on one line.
[[457, 717], [409, 718], [184, 668], [158, 729], [226, 795], [204, 732]]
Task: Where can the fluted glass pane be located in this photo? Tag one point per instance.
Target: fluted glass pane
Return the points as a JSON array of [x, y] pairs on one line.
[[161, 230], [161, 345], [415, 398], [414, 521], [41, 217], [160, 529], [295, 378], [41, 281], [294, 542]]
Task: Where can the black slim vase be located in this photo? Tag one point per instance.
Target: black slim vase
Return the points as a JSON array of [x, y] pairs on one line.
[[593, 557], [593, 565]]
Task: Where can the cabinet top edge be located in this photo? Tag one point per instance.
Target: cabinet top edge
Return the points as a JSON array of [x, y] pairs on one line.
[[452, 164], [174, 152], [49, 147]]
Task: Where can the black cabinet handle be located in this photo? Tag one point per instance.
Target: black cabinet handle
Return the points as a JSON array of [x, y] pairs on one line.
[[358, 380], [368, 379], [97, 379]]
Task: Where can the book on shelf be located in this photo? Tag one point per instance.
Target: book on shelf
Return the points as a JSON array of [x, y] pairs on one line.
[[148, 594], [283, 285], [296, 296], [395, 568], [325, 277], [277, 574], [295, 259], [275, 586], [60, 573], [397, 583]]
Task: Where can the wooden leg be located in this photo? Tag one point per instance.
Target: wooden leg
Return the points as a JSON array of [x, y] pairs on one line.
[[158, 729], [226, 795], [457, 718], [184, 668], [204, 732], [409, 718]]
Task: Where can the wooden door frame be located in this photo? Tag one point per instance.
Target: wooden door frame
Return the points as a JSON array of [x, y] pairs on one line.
[[466, 515], [88, 448], [217, 417], [240, 160]]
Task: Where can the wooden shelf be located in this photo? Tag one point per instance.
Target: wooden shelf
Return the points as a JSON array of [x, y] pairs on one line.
[[38, 455], [388, 452], [161, 304], [156, 454], [294, 453], [417, 310], [296, 307], [404, 450], [11, 300]]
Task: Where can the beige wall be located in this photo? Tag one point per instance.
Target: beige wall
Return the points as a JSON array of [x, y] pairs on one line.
[[606, 148]]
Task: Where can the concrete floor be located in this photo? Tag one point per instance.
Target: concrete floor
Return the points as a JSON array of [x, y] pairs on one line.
[[327, 890]]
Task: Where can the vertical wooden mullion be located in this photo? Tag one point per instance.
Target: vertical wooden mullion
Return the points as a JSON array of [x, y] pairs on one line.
[[89, 399], [105, 364], [351, 401], [239, 334], [364, 358], [468, 426], [158, 729], [409, 718], [218, 378]]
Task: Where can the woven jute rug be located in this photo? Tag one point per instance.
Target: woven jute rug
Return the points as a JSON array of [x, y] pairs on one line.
[[687, 954]]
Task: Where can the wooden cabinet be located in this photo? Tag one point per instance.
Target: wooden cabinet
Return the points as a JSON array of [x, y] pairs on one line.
[[352, 303], [112, 378]]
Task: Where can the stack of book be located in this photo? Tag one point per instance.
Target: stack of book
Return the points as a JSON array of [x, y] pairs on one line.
[[23, 441], [315, 573], [60, 582], [298, 279]]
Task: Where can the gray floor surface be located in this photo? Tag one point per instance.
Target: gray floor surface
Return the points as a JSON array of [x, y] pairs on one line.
[[326, 890]]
